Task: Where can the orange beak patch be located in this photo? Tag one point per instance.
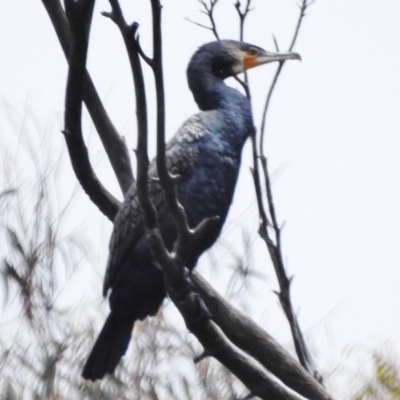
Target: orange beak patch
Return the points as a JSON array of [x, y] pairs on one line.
[[250, 61]]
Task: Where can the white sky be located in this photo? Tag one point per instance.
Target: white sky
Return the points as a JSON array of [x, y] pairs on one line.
[[333, 137]]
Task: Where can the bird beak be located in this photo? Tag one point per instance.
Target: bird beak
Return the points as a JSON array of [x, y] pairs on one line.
[[254, 60]]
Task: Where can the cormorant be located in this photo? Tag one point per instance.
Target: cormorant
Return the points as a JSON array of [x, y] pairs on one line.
[[206, 153]]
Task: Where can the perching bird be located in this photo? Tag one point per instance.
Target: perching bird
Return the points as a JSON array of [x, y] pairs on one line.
[[206, 153]]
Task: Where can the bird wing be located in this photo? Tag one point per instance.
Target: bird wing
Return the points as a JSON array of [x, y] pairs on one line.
[[129, 229]]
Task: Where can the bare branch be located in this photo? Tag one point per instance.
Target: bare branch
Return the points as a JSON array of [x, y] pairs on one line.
[[305, 4], [128, 33], [249, 337], [113, 143], [146, 59], [242, 15], [274, 247], [198, 24], [303, 7], [242, 18], [79, 14], [257, 185], [209, 11], [285, 282]]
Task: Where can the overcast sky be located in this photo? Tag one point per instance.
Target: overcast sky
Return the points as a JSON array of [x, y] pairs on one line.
[[333, 142]]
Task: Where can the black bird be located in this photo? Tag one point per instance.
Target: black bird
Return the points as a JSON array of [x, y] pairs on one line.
[[206, 153]]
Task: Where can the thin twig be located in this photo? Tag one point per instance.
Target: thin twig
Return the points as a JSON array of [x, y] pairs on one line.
[[209, 11], [303, 7], [242, 19], [275, 248], [256, 177], [198, 24]]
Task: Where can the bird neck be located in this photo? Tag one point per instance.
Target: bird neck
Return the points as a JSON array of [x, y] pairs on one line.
[[211, 93]]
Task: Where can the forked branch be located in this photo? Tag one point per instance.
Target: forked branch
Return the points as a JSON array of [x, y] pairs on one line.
[[113, 143], [79, 15]]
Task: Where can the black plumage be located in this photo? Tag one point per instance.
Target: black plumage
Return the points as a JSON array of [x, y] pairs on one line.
[[206, 153]]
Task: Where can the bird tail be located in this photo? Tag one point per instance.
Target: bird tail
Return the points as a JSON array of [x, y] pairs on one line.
[[110, 346]]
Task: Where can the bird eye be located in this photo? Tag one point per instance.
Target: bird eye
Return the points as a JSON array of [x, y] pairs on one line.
[[252, 51]]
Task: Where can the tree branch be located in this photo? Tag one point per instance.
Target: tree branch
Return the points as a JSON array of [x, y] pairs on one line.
[[79, 14], [168, 182], [274, 246], [242, 19], [209, 11], [303, 7], [249, 337], [113, 143], [133, 49]]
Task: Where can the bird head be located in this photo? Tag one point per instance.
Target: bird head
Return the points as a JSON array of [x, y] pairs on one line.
[[213, 62], [232, 57]]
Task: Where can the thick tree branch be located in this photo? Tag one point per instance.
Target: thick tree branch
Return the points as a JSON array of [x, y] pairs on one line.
[[249, 337], [80, 13], [113, 143]]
